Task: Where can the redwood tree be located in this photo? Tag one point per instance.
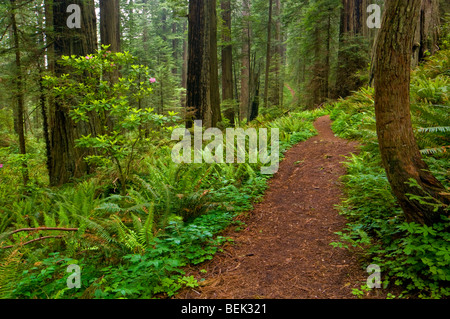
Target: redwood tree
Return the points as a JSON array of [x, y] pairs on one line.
[[227, 61], [399, 151], [244, 106], [66, 160], [110, 24], [203, 95]]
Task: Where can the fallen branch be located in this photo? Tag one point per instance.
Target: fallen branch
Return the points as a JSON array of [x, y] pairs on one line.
[[32, 241], [42, 228]]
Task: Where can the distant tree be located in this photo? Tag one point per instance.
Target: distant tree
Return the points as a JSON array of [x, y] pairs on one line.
[[268, 54], [355, 46], [244, 108], [203, 95], [427, 34], [227, 61], [19, 91]]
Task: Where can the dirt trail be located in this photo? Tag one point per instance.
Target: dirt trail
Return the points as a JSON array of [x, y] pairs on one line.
[[285, 252]]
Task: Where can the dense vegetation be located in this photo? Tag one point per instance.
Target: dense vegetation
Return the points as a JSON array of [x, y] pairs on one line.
[[415, 257], [170, 217], [116, 204]]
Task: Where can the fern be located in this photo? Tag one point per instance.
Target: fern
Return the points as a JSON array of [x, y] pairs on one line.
[[144, 230], [126, 236], [8, 272], [434, 129], [435, 150]]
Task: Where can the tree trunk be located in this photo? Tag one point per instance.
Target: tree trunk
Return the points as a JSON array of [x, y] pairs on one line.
[[44, 113], [19, 92], [327, 67], [202, 80], [427, 34], [67, 161], [399, 151], [110, 24], [354, 48], [184, 69], [227, 62], [216, 115], [268, 55], [245, 64], [276, 88]]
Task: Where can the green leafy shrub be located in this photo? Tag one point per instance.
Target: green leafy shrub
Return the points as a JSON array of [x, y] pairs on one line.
[[125, 126]]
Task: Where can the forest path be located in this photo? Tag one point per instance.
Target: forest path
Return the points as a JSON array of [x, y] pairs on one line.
[[285, 251]]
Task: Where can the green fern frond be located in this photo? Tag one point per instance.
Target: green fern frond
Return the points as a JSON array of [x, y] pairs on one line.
[[435, 150], [8, 272], [97, 228], [434, 129], [126, 236]]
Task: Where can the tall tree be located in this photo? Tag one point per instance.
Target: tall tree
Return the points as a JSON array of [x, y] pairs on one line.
[[268, 54], [203, 95], [427, 33], [355, 43], [19, 93], [276, 94], [67, 160], [227, 62], [399, 151], [110, 24], [244, 108]]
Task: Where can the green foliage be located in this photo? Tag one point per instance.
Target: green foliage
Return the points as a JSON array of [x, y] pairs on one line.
[[8, 272], [354, 117], [137, 244], [419, 260], [163, 264], [415, 257], [125, 127]]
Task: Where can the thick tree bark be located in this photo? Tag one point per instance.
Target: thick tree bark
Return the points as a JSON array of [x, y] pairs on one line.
[[203, 95], [354, 17], [426, 36], [110, 24], [400, 153], [67, 160]]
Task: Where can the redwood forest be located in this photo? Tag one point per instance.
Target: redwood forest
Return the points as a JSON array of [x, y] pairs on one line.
[[224, 149]]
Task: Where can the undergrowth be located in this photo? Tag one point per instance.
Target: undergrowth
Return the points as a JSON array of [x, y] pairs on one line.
[[132, 245], [415, 258]]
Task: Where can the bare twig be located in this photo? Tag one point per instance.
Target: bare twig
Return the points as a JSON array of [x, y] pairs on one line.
[[32, 241], [42, 228]]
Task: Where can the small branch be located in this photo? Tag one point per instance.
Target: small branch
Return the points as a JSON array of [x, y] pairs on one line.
[[42, 228], [32, 241]]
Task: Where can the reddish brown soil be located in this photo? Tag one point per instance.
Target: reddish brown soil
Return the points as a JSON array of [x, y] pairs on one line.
[[284, 251]]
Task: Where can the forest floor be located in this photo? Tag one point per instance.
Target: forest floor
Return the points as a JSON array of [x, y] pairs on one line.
[[284, 252]]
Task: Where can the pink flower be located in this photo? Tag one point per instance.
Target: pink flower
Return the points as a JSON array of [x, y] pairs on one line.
[[88, 57], [1, 165], [152, 80]]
